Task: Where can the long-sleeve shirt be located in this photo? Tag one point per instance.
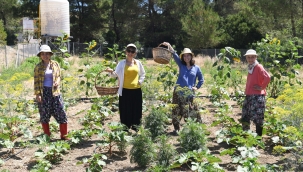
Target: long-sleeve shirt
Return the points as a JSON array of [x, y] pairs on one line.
[[258, 77], [188, 77], [39, 74], [120, 73]]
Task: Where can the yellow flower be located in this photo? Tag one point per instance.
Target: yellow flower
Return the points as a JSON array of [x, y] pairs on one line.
[[236, 59]]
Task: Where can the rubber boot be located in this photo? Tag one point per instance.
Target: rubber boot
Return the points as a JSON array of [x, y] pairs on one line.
[[63, 131], [259, 130], [45, 127]]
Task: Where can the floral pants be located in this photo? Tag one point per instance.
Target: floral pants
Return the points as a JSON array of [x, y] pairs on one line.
[[184, 107], [253, 110], [51, 106]]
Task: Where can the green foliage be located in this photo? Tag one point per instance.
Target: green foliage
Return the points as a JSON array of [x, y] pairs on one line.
[[287, 106], [97, 114], [54, 153], [200, 24], [231, 131], [116, 136], [239, 30], [9, 75], [3, 34], [77, 136], [156, 121], [41, 166], [198, 160], [280, 129], [167, 76], [95, 163], [193, 136], [143, 150], [282, 60], [166, 151], [92, 75], [223, 76], [90, 53], [114, 53]]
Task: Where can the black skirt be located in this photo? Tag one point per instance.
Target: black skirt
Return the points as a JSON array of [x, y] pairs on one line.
[[130, 107]]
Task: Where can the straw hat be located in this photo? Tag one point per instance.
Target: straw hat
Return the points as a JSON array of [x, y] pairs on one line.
[[186, 50], [251, 52], [44, 48]]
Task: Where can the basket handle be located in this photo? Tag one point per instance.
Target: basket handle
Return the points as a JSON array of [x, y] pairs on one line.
[[166, 46], [105, 71]]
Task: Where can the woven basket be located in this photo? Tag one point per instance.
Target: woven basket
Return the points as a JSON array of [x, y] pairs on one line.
[[161, 55], [106, 90]]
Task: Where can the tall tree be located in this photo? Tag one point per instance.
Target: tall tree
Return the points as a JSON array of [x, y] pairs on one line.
[[200, 23], [89, 19]]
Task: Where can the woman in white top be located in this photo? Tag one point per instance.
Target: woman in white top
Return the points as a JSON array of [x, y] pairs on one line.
[[131, 75]]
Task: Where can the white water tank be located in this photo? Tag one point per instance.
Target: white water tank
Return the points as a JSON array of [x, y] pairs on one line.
[[54, 17]]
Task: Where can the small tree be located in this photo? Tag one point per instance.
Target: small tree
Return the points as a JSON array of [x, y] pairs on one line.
[[3, 34]]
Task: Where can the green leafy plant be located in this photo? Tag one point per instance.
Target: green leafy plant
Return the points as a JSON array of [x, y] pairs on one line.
[[165, 152], [95, 163], [143, 150], [282, 60], [89, 54], [193, 136], [156, 121], [198, 160], [116, 136], [54, 152]]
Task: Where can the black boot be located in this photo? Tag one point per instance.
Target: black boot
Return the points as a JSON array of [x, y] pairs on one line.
[[259, 129]]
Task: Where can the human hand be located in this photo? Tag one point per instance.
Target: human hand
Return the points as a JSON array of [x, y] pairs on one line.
[[56, 84], [109, 70], [168, 46], [38, 98]]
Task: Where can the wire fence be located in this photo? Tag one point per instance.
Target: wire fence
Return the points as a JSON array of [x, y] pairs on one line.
[[13, 56]]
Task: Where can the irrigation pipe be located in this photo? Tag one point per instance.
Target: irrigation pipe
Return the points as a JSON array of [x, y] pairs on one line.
[[14, 154]]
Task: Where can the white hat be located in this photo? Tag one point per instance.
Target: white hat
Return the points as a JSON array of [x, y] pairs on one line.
[[251, 52], [131, 45], [186, 51], [44, 48]]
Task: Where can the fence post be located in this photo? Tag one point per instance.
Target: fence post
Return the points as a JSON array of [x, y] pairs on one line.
[[23, 53], [17, 58], [6, 61]]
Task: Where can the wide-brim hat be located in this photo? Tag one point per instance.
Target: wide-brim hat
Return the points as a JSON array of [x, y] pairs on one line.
[[132, 45], [251, 52], [44, 48], [186, 51]]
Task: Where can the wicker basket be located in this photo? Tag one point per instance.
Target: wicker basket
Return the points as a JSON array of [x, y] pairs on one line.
[[106, 90], [161, 55]]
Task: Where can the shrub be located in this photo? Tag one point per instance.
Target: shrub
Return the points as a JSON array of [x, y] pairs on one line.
[[192, 136], [155, 122], [143, 150]]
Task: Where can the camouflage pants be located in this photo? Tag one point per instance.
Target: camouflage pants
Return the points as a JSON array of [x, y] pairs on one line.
[[184, 107]]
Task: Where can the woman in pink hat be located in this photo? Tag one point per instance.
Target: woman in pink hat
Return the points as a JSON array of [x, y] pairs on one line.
[[189, 73], [47, 77], [131, 75], [254, 103]]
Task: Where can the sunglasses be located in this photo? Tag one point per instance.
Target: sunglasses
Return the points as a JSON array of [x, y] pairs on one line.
[[130, 51]]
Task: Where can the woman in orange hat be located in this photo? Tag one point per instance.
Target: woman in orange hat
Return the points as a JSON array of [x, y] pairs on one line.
[[47, 76], [189, 73]]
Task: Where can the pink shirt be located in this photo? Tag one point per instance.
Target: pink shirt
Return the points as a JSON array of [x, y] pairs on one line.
[[259, 77]]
